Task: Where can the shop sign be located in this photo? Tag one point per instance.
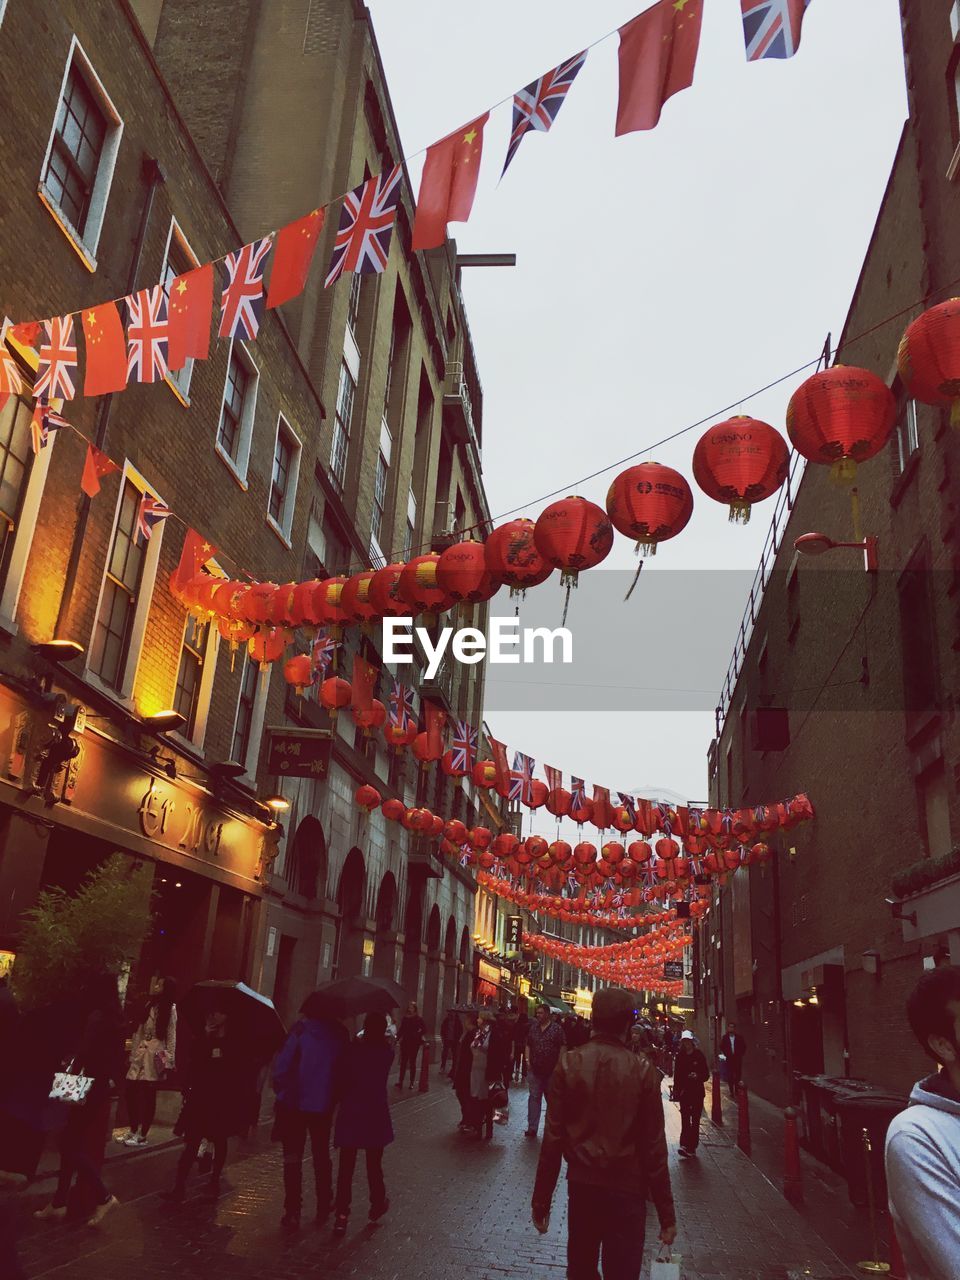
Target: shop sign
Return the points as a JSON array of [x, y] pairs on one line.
[[489, 972], [180, 822], [673, 970], [514, 928], [299, 753], [569, 996]]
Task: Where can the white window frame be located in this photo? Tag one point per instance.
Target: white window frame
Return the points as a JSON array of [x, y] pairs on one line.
[[211, 651], [257, 716], [239, 468], [908, 435], [179, 380], [141, 612], [85, 243], [3, 9], [283, 526], [350, 362]]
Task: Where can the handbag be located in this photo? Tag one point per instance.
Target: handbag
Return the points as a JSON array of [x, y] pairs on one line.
[[70, 1087], [497, 1094], [665, 1266]]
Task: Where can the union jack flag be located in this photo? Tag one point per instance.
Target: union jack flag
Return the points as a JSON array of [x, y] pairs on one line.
[[241, 305], [11, 383], [44, 421], [401, 703], [321, 655], [366, 227], [521, 776], [58, 355], [151, 513], [147, 335], [772, 28], [536, 106], [628, 804], [578, 792], [463, 744]]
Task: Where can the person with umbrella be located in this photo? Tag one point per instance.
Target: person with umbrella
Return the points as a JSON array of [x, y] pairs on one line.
[[363, 1118], [304, 1076]]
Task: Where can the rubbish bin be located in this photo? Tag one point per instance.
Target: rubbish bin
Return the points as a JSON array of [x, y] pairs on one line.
[[872, 1111], [810, 1100], [830, 1090]]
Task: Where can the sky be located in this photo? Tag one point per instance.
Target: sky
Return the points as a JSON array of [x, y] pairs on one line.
[[661, 279]]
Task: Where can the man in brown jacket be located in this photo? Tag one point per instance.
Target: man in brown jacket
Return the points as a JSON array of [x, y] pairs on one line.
[[605, 1116]]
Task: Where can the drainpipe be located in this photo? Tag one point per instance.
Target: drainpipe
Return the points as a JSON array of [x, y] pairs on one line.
[[153, 175]]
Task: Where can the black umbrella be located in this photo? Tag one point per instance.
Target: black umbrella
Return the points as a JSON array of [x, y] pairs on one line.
[[465, 1008], [251, 1016], [349, 996]]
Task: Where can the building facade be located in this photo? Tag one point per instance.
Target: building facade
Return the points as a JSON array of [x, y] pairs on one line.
[[813, 954]]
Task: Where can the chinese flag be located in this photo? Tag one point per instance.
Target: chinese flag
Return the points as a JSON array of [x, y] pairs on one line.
[[501, 766], [106, 349], [449, 184], [190, 317], [602, 817], [436, 719], [658, 54], [361, 688], [195, 554], [26, 333], [292, 255], [96, 465]]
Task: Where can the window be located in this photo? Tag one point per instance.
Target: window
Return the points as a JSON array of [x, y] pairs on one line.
[[125, 594], [353, 305], [346, 391], [16, 457], [81, 154], [246, 704], [178, 259], [935, 809], [283, 481], [907, 437], [410, 530], [918, 647], [238, 410], [379, 495], [186, 698]]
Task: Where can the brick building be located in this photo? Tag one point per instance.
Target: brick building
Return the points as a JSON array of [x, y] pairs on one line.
[[807, 953], [346, 436]]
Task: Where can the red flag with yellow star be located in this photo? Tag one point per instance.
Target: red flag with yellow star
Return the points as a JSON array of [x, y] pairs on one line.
[[658, 55], [189, 317], [292, 255], [106, 349], [197, 550], [96, 465], [449, 183]]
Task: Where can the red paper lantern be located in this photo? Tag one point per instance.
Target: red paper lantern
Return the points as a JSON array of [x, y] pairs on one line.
[[419, 587], [236, 632], [267, 646], [841, 416], [667, 849], [421, 820], [436, 825], [259, 602], [649, 503], [585, 854], [355, 601], [424, 750], [456, 831], [484, 774], [384, 594], [613, 851], [505, 845], [284, 605], [741, 461], [929, 357], [335, 692], [450, 769], [326, 603], [302, 608], [298, 671], [561, 852], [399, 736], [367, 797], [571, 535], [558, 802], [513, 559], [582, 812], [480, 837], [537, 794], [393, 810], [369, 718], [463, 574], [622, 818]]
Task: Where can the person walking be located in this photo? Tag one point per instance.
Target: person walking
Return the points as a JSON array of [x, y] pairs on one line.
[[461, 1072], [922, 1153], [481, 1102], [450, 1033], [545, 1040], [363, 1118], [520, 1034], [410, 1036], [153, 1054], [215, 1099], [304, 1076], [605, 1116], [734, 1048], [690, 1076], [98, 1055]]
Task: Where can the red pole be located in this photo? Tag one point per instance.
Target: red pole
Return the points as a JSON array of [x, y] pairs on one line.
[[792, 1174], [743, 1119], [716, 1104], [425, 1069]]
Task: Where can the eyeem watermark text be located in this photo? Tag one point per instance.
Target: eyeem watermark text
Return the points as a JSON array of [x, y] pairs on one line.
[[505, 641]]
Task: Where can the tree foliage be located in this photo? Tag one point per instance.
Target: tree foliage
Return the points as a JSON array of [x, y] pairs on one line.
[[68, 938]]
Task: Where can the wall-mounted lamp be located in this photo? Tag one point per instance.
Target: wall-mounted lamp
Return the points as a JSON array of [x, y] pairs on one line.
[[276, 803], [815, 544], [898, 913], [871, 962], [163, 721], [59, 650]]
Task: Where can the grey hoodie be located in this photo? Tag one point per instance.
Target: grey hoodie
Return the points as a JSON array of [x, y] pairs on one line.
[[923, 1180]]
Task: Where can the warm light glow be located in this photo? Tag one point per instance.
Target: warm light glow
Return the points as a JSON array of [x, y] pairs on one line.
[[278, 803], [59, 650], [164, 721]]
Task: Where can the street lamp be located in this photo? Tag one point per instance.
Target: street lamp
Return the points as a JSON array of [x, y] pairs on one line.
[[815, 544], [164, 721]]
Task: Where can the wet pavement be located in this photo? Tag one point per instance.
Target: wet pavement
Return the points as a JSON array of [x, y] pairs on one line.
[[459, 1208]]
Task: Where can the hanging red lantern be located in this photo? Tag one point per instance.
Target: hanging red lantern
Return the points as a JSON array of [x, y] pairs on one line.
[[421, 820], [355, 603], [562, 853], [451, 769], [585, 854], [419, 587], [393, 809], [841, 416], [335, 692], [741, 461], [613, 851], [399, 736], [649, 503], [484, 774], [284, 605], [301, 603], [622, 817], [536, 794], [259, 601], [298, 671], [463, 574], [535, 846], [760, 852], [424, 749], [929, 357], [369, 718], [231, 601], [456, 831], [667, 849], [384, 594], [367, 797], [480, 837], [267, 646], [436, 825], [326, 604], [571, 535], [236, 632], [505, 845], [582, 812], [558, 802], [513, 559]]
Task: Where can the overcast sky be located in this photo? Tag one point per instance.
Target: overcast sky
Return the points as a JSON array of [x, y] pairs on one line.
[[660, 277]]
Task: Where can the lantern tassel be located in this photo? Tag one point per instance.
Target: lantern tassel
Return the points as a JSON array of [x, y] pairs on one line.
[[739, 512], [636, 579]]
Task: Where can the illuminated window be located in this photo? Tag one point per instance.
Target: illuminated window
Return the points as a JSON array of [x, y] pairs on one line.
[[121, 588], [16, 460], [283, 481], [186, 698]]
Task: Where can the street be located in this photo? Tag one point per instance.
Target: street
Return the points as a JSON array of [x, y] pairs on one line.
[[458, 1208]]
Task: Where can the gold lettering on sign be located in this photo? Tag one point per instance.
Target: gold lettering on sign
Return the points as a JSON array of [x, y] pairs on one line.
[[194, 830]]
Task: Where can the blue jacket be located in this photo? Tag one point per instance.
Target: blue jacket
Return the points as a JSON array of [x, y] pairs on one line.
[[363, 1117], [304, 1069]]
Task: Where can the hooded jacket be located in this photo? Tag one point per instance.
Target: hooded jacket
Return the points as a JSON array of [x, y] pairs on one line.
[[923, 1180], [303, 1070]]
